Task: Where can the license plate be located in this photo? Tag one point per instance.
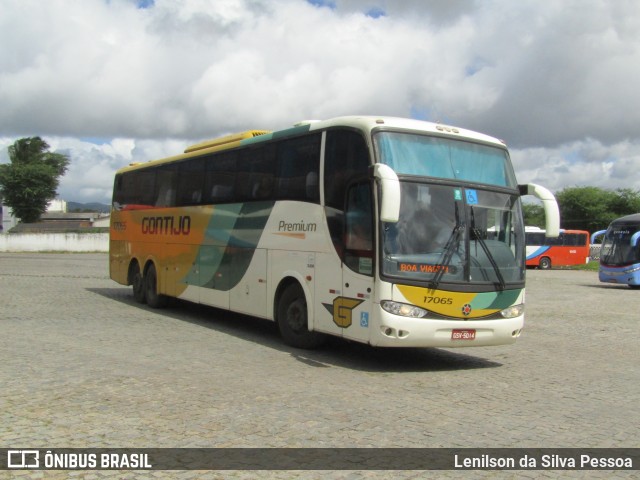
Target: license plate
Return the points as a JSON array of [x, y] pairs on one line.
[[463, 334]]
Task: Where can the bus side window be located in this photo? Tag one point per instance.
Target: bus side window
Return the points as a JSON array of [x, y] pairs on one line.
[[119, 199], [576, 239], [582, 239], [555, 241], [298, 167], [220, 178], [190, 182], [532, 238], [359, 229], [346, 158], [244, 187], [166, 183], [137, 189], [262, 173]]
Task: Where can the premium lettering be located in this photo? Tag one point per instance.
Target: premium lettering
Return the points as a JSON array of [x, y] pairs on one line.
[[166, 225], [300, 226]]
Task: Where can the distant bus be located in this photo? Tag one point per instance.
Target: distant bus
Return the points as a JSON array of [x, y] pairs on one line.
[[620, 251], [571, 247], [386, 231]]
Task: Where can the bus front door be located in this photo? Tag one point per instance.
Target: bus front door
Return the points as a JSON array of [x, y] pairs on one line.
[[358, 264]]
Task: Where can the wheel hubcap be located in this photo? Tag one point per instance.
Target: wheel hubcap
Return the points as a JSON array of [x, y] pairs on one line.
[[295, 316]]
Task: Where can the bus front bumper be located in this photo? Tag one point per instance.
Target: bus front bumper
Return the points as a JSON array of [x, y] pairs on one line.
[[629, 275], [397, 331]]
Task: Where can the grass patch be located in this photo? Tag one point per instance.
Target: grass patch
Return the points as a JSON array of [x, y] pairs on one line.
[[592, 266]]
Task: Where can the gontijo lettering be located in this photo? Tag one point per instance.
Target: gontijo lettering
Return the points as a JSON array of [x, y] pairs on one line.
[[168, 225]]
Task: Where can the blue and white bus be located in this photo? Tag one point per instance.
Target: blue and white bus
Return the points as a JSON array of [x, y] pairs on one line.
[[620, 251]]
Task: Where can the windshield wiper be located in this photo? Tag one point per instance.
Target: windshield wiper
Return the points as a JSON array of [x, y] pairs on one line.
[[449, 248], [478, 237]]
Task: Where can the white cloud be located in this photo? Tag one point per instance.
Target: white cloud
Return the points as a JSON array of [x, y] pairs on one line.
[[89, 177], [582, 163], [557, 81]]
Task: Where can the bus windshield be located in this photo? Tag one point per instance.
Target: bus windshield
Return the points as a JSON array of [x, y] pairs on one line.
[[451, 234], [620, 245], [413, 154]]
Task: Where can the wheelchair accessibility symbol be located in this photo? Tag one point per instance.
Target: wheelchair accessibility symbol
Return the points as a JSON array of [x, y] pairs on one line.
[[472, 197]]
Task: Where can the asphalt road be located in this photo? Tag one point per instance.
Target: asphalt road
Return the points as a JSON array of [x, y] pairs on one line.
[[82, 365]]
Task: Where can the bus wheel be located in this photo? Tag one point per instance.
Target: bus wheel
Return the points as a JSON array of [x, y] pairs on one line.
[[545, 263], [292, 320], [138, 284], [154, 299]]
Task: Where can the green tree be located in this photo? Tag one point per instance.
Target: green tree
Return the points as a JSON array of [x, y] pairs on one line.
[[533, 215], [627, 202], [593, 208], [30, 181]]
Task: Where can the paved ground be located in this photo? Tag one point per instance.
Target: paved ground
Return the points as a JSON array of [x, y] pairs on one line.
[[82, 365]]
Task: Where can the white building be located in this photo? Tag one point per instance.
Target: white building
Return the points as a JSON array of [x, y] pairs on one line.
[[57, 206], [8, 220]]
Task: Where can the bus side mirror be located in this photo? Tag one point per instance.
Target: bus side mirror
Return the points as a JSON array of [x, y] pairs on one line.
[[635, 239], [597, 234], [551, 211], [390, 192]]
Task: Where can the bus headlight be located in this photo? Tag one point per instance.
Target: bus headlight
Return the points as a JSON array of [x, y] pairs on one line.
[[403, 309], [513, 311]]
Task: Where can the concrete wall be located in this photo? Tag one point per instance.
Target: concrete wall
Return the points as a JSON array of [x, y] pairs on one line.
[[54, 242]]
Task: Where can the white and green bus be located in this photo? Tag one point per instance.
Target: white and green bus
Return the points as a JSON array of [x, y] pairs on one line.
[[387, 231]]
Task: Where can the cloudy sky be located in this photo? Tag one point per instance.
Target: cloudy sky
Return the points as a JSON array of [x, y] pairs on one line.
[[113, 81]]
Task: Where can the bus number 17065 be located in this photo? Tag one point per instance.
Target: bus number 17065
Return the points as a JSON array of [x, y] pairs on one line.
[[439, 300]]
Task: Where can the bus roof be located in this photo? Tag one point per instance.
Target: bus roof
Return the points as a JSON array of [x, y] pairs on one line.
[[533, 229], [364, 122], [628, 218], [370, 122], [226, 140]]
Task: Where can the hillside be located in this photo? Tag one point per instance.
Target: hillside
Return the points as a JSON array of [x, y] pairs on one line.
[[87, 207]]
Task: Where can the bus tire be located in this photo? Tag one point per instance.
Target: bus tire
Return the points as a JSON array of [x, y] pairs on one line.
[[138, 283], [154, 299], [545, 263], [291, 315], [634, 287]]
